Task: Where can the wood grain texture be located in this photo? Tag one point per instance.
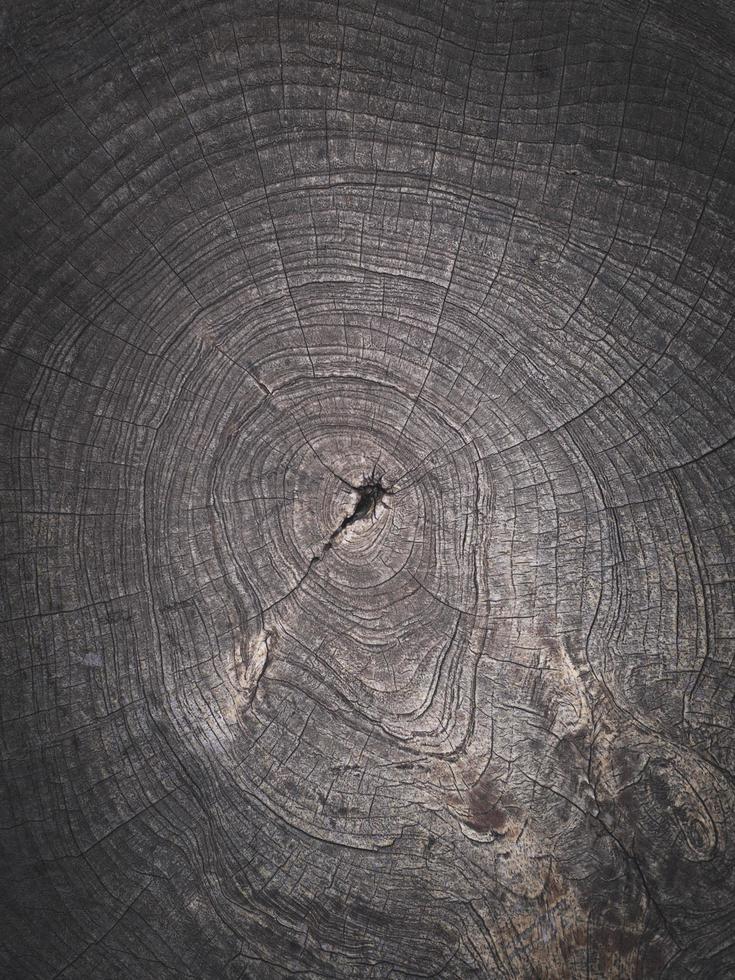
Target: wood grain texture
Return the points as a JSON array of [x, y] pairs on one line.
[[367, 414]]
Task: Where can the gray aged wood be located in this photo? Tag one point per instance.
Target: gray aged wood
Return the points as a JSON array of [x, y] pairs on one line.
[[367, 420]]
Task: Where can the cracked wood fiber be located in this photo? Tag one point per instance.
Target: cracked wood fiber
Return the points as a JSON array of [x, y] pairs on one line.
[[367, 416]]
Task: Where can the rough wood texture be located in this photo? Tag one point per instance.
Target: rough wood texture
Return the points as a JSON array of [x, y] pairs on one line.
[[367, 415]]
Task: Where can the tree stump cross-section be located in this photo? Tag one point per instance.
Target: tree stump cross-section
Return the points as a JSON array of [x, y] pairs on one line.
[[367, 412]]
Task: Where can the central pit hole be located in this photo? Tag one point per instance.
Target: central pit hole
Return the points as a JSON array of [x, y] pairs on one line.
[[369, 496]]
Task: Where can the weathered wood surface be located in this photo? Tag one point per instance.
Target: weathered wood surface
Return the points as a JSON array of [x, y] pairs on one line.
[[367, 419]]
